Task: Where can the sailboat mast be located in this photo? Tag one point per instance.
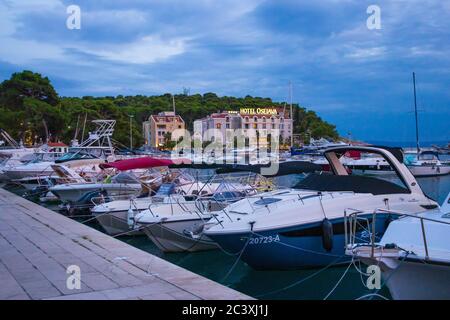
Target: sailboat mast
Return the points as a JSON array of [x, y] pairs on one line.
[[415, 112], [292, 116]]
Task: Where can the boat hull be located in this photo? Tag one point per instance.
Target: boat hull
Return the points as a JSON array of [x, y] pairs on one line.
[[72, 193], [115, 223], [429, 171], [293, 247], [170, 236], [414, 279], [15, 174]]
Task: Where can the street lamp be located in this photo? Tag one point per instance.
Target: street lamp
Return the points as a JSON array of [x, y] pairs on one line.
[[131, 131]]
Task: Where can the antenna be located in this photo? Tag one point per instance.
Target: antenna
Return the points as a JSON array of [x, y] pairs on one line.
[[173, 105], [415, 112], [77, 128]]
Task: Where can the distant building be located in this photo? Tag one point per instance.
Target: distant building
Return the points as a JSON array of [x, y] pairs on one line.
[[158, 125], [57, 147], [256, 124]]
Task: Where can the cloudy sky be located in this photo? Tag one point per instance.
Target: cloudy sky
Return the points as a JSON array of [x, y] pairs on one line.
[[357, 78]]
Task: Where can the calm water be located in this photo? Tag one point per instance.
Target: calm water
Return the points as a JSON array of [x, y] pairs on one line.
[[224, 269]]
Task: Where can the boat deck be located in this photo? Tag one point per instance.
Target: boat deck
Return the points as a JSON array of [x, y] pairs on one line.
[[37, 246]]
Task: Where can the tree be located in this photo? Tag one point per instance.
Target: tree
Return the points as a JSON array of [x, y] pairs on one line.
[[27, 84], [29, 103]]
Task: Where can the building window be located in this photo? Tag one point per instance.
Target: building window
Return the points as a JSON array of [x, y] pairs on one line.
[[264, 119], [218, 125], [273, 119], [255, 126], [246, 119], [264, 125], [273, 125], [227, 126], [255, 119], [227, 119], [246, 126]]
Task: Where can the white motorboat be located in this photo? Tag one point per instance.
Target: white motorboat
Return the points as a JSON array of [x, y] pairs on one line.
[[114, 217], [122, 184], [305, 227], [172, 225], [85, 158], [428, 164], [413, 254]]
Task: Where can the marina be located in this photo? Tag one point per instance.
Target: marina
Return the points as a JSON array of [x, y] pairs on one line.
[[231, 156], [227, 266]]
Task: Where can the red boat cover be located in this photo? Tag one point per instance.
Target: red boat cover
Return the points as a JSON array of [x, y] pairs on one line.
[[141, 163], [354, 154]]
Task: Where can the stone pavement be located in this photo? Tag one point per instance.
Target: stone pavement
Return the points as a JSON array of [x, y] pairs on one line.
[[37, 246]]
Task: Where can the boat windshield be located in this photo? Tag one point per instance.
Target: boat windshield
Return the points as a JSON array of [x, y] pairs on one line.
[[228, 196], [365, 177], [75, 156], [373, 165], [125, 178], [428, 157]]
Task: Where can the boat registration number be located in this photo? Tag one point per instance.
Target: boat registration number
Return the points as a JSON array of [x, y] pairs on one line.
[[264, 239]]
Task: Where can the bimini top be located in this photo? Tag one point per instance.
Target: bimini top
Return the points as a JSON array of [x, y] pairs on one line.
[[137, 163], [428, 155]]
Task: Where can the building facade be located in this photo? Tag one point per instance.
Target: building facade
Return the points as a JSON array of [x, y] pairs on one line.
[[256, 124], [157, 126]]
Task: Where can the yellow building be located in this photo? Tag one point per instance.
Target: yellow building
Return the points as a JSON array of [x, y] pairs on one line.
[[157, 126]]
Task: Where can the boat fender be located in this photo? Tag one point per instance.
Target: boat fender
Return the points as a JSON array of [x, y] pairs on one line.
[[130, 218], [327, 235]]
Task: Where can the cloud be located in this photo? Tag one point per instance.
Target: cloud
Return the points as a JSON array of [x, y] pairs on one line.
[[148, 49], [236, 47], [363, 53]]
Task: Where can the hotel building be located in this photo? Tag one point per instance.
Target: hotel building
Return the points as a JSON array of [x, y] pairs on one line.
[[157, 126], [256, 124]]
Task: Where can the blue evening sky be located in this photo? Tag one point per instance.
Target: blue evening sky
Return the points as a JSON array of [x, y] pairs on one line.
[[356, 78]]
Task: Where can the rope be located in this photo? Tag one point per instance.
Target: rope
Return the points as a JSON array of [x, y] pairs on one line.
[[371, 295], [301, 280], [127, 232], [236, 261], [339, 281]]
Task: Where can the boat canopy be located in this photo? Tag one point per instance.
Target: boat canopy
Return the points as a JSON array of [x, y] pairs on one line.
[[137, 163], [125, 178], [285, 168], [357, 184], [428, 155]]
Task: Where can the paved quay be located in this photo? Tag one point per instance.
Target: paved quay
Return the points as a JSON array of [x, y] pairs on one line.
[[37, 246]]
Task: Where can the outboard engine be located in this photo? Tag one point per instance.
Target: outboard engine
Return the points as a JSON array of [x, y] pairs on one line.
[[327, 235], [85, 200], [37, 192]]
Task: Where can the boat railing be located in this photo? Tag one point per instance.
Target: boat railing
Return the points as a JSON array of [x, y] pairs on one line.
[[109, 198], [351, 221]]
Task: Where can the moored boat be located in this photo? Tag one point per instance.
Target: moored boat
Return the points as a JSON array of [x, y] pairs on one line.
[[413, 254], [305, 227]]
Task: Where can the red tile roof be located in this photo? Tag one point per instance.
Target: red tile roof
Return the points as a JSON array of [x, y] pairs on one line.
[[56, 144]]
